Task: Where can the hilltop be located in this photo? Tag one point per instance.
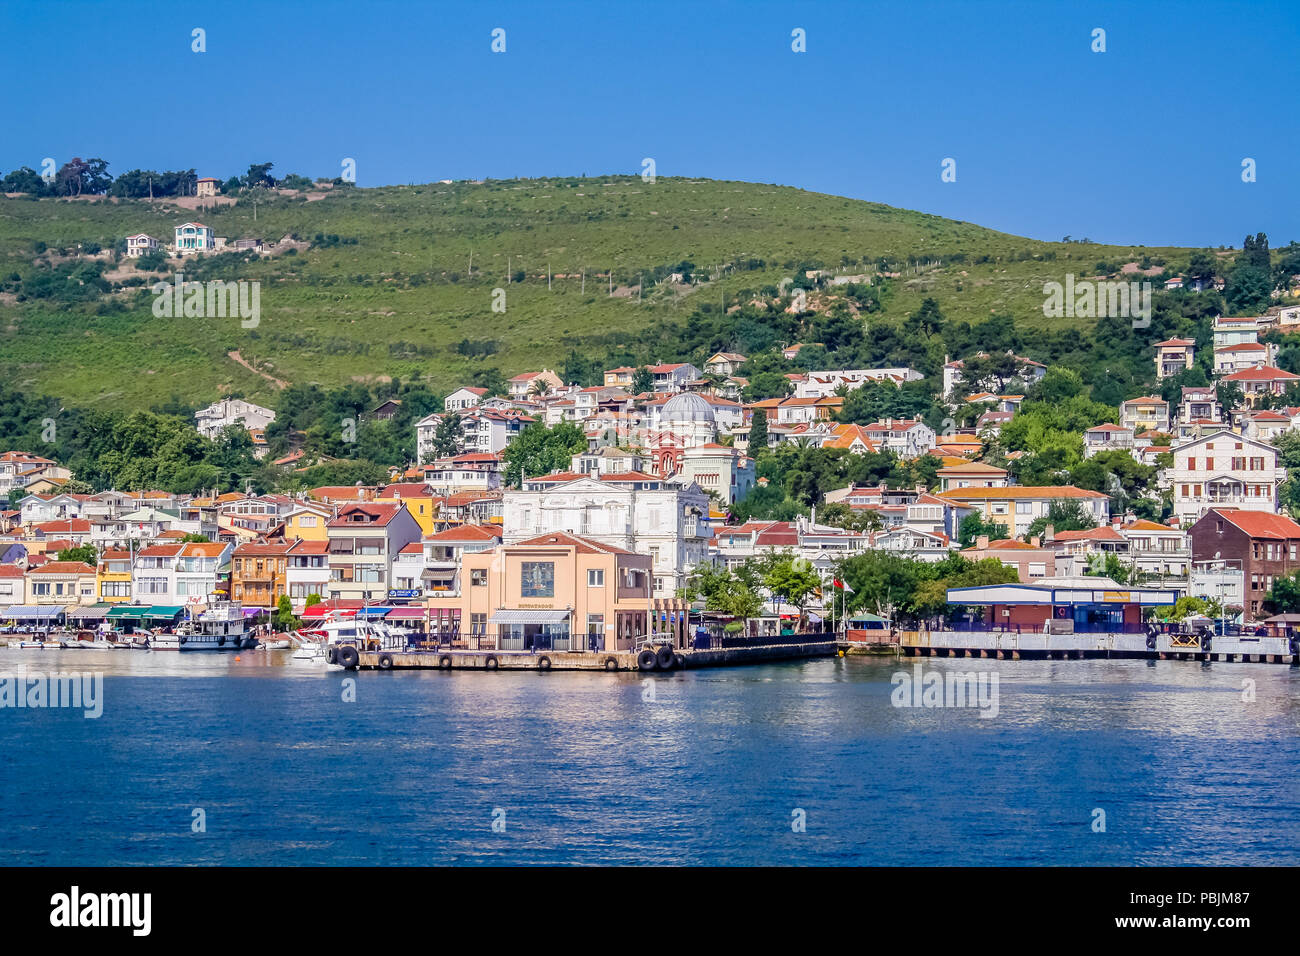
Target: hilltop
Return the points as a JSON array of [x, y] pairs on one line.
[[398, 281]]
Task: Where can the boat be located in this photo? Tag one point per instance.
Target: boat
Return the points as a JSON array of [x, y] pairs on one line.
[[29, 645], [220, 628]]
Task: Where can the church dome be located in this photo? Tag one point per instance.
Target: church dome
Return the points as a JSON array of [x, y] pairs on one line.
[[687, 407]]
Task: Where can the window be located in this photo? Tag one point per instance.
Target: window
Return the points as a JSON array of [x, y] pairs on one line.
[[595, 624], [478, 577], [478, 623], [307, 521], [537, 579], [596, 577]]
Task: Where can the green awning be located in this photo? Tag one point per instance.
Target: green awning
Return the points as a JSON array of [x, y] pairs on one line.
[[164, 610], [126, 611]]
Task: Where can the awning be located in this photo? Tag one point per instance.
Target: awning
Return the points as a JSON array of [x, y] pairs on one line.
[[34, 612], [96, 612], [163, 611], [127, 612], [376, 611], [528, 617], [344, 607], [254, 611], [405, 614]]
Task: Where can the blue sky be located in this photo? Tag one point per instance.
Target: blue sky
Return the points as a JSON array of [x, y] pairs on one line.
[[1140, 144]]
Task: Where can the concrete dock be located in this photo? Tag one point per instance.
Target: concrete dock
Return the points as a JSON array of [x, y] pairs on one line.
[[1039, 646], [611, 661]]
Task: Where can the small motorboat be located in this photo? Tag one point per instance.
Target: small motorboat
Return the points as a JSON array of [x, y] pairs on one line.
[[30, 645]]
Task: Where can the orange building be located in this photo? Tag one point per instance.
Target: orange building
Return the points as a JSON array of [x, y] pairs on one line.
[[556, 591], [257, 573]]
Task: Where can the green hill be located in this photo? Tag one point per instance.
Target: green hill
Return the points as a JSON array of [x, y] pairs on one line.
[[400, 281]]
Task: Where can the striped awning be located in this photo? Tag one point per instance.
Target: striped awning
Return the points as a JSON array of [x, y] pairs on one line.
[[96, 612], [528, 617]]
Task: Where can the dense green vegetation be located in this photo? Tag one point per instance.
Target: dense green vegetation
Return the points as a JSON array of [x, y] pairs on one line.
[[397, 282]]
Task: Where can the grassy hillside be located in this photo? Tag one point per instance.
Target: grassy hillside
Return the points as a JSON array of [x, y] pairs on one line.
[[398, 293]]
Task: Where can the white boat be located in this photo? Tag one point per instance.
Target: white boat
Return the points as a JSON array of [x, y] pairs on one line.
[[30, 645], [220, 628]]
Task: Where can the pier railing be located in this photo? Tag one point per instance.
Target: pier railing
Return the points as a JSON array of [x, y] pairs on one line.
[[715, 642]]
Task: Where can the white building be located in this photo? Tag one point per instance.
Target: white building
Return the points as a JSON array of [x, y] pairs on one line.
[[718, 469], [221, 414], [179, 574], [193, 238], [462, 399], [904, 437], [641, 513], [307, 572], [140, 245], [1223, 470]]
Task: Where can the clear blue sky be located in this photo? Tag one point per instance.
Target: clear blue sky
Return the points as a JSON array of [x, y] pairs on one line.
[[1140, 144]]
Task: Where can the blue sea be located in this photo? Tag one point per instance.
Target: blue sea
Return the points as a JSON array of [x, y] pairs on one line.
[[205, 759]]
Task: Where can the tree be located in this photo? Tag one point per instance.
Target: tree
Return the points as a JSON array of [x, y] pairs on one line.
[[758, 432], [85, 553], [539, 450], [973, 527], [643, 381], [727, 592], [447, 437], [194, 538], [311, 601], [1065, 515], [793, 579], [283, 618], [926, 321]]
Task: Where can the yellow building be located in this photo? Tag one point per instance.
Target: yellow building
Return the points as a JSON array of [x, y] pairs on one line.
[[307, 522], [113, 577], [419, 499]]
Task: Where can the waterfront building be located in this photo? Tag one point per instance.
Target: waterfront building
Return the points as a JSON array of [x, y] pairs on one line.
[[665, 519], [61, 582], [1263, 546], [307, 571], [364, 539], [556, 590]]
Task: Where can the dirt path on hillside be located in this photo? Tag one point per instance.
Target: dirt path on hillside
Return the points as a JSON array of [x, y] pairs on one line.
[[277, 382]]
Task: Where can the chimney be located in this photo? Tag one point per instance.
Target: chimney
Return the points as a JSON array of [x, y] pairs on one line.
[[982, 541], [1049, 533], [1034, 542]]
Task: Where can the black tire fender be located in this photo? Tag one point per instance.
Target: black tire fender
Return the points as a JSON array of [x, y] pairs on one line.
[[385, 662], [444, 662], [646, 660], [349, 656], [490, 663], [664, 658], [611, 663], [332, 654], [543, 663]]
